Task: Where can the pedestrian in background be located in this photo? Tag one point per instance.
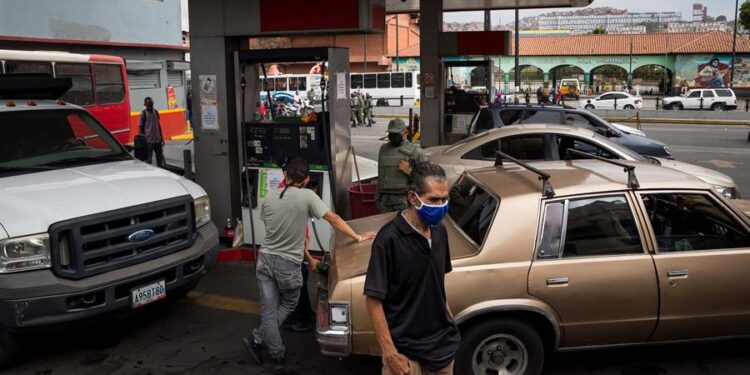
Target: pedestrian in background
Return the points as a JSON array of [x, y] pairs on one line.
[[285, 214], [354, 118], [405, 282], [150, 127], [368, 110], [395, 161]]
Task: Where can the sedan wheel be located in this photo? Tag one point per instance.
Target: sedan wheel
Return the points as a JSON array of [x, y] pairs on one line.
[[504, 346], [589, 106], [628, 106]]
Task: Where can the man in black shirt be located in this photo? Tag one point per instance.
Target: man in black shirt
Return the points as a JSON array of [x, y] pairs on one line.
[[405, 284]]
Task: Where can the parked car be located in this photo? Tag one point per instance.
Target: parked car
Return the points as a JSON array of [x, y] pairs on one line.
[[85, 229], [599, 261], [713, 99], [539, 142], [497, 116], [612, 100]]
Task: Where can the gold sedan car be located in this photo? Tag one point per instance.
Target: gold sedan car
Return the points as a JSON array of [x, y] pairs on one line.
[[592, 258]]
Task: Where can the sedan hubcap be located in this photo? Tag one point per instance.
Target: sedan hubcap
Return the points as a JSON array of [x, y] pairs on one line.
[[500, 354]]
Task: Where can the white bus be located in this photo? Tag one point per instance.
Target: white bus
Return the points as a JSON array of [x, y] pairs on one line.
[[386, 87]]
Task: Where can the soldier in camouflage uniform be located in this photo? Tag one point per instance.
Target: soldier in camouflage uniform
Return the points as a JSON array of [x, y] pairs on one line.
[[368, 110], [355, 117], [395, 161]]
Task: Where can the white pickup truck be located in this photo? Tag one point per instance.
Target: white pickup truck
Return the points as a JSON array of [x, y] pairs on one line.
[[85, 229]]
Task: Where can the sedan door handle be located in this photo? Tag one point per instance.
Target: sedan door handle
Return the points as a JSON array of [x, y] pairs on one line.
[[557, 281], [677, 273]]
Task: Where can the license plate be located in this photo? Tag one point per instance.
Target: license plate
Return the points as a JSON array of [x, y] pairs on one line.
[[148, 293]]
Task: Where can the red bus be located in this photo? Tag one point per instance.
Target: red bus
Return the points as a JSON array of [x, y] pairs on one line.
[[100, 83]]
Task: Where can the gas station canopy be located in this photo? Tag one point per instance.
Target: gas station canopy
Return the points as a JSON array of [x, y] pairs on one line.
[[409, 6]]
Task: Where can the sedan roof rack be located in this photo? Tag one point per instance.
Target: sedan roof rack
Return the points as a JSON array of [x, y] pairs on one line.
[[630, 169], [547, 189]]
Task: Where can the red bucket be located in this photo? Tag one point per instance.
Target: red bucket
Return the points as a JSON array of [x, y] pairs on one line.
[[363, 202]]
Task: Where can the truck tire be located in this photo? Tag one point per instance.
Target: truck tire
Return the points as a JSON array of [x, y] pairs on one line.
[[8, 348], [717, 107], [677, 106], [500, 346]]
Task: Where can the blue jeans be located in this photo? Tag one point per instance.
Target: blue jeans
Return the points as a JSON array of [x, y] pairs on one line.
[[158, 149], [280, 281]]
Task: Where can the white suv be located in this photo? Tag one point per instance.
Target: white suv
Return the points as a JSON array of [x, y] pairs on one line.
[[713, 99], [85, 229]]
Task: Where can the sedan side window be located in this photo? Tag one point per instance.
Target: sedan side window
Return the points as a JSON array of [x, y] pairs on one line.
[[565, 143], [472, 209], [592, 227], [582, 121], [541, 117], [685, 222], [511, 116]]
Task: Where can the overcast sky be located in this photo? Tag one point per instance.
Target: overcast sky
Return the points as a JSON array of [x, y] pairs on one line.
[[715, 8]]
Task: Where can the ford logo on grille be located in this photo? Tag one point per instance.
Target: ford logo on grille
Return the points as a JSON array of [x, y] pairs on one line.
[[141, 235]]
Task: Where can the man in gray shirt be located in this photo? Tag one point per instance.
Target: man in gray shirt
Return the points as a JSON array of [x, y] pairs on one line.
[[285, 214]]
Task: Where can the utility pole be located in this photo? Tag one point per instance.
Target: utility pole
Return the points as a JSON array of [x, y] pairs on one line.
[[365, 55], [734, 42], [518, 58]]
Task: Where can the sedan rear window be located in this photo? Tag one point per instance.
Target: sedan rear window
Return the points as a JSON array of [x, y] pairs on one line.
[[472, 209]]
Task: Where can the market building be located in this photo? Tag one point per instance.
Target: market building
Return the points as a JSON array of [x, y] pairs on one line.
[[606, 62], [147, 34]]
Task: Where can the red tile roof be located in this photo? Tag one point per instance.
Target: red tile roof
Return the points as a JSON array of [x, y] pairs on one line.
[[618, 44]]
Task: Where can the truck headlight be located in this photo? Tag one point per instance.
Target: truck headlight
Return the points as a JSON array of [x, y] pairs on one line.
[[339, 314], [24, 253], [202, 211], [727, 192]]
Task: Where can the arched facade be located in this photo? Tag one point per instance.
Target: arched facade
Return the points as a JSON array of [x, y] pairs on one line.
[[652, 79]]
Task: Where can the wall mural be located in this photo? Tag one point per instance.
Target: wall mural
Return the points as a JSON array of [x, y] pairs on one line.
[[711, 70]]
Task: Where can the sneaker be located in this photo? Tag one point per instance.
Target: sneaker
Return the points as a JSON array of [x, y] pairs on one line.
[[279, 364], [255, 350]]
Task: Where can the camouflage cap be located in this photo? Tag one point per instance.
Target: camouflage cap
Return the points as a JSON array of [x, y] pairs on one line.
[[396, 125]]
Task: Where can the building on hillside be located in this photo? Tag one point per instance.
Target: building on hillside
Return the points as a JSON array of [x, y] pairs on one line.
[[617, 29], [651, 63], [700, 12], [611, 22], [147, 34], [693, 27]]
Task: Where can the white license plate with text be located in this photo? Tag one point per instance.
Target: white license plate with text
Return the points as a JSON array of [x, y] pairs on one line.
[[148, 293]]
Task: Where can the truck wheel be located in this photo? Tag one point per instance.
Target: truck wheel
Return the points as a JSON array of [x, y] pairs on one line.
[[677, 106], [717, 107], [503, 346], [8, 346]]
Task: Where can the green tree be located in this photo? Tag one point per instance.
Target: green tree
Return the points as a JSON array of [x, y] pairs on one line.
[[744, 18], [721, 18], [599, 30]]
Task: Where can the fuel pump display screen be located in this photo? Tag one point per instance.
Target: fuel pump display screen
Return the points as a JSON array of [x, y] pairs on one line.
[[271, 142]]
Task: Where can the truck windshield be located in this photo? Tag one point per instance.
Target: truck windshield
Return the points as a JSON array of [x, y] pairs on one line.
[[51, 139]]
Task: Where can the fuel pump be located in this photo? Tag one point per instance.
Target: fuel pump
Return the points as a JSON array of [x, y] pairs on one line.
[[322, 138], [468, 87]]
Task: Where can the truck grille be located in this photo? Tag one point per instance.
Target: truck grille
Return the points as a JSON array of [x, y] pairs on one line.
[[103, 242]]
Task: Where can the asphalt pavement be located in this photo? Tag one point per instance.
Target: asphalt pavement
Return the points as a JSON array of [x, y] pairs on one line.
[[201, 333]]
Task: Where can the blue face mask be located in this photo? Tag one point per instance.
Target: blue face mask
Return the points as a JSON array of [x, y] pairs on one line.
[[431, 215]]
